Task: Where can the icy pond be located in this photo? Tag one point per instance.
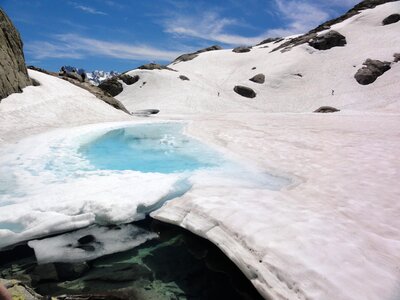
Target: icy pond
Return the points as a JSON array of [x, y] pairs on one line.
[[78, 194]]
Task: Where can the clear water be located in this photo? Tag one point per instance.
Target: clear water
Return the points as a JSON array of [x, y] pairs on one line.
[[161, 148]]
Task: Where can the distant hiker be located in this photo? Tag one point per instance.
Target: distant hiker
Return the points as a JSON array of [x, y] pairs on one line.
[[333, 92]]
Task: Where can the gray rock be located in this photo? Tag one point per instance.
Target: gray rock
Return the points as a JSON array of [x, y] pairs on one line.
[[244, 91], [371, 71], [129, 80], [13, 74], [112, 86], [153, 66], [190, 56], [259, 78], [183, 77], [328, 40], [241, 49], [73, 75], [145, 112], [326, 109], [45, 272], [396, 57], [269, 40], [394, 18]]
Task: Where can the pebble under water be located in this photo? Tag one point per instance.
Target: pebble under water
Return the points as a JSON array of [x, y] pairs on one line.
[[177, 265]]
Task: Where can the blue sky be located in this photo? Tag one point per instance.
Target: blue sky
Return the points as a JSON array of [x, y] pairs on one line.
[[123, 34]]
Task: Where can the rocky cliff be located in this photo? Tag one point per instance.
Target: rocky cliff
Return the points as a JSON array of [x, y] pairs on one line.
[[13, 74]]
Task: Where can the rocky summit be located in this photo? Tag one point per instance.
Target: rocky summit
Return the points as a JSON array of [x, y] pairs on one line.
[[15, 76]]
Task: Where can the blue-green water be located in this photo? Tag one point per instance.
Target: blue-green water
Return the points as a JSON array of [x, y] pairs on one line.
[[161, 148]]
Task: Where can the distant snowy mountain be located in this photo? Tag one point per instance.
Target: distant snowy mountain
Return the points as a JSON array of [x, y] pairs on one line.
[[96, 77]]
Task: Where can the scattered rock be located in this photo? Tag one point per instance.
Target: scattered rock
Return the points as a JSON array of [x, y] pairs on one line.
[[298, 74], [371, 71], [153, 66], [13, 76], [269, 40], [183, 77], [253, 68], [327, 41], [35, 82], [190, 56], [45, 272], [394, 18], [326, 109], [129, 80], [241, 49], [244, 91], [396, 57], [145, 112], [259, 78], [112, 86]]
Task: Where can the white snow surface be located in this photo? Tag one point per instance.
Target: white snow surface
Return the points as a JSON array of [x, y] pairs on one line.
[[334, 233]]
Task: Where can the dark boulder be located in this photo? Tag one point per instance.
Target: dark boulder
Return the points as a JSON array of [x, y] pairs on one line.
[[145, 112], [86, 239], [127, 79], [241, 49], [371, 71], [244, 91], [259, 78], [112, 86], [190, 56], [328, 40], [326, 109], [13, 74], [394, 18], [396, 57], [183, 77]]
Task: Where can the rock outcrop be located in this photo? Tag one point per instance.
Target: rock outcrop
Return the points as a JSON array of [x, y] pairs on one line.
[[394, 18], [190, 56], [13, 74], [371, 71], [244, 91], [259, 78], [328, 40], [153, 66], [128, 79], [241, 49], [112, 86], [269, 40], [396, 57], [326, 109]]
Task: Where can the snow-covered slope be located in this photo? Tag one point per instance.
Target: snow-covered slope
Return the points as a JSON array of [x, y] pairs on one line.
[[55, 103], [284, 90]]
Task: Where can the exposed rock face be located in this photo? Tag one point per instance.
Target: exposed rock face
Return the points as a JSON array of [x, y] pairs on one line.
[[241, 49], [269, 40], [371, 71], [153, 66], [326, 109], [13, 74], [190, 56], [111, 86], [245, 91], [394, 18], [327, 41], [127, 79], [259, 78], [366, 4], [396, 57], [183, 77]]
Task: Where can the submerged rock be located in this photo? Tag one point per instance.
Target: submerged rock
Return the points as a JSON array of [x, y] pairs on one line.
[[328, 41], [394, 18], [259, 78], [112, 86], [13, 76], [244, 91], [326, 109], [371, 71]]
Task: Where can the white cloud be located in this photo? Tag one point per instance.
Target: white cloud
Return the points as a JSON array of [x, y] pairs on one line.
[[88, 9], [78, 47]]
